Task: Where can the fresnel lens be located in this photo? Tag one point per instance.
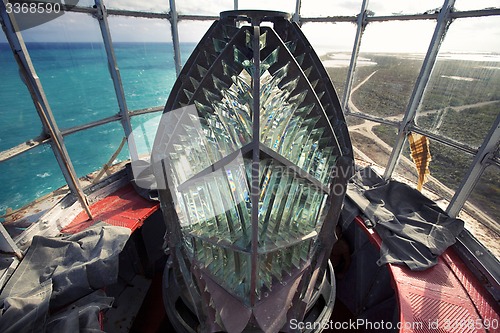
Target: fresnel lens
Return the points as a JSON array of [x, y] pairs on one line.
[[252, 149]]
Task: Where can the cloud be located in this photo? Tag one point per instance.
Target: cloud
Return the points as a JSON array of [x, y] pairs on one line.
[[143, 30], [325, 37], [157, 6], [70, 27], [397, 36], [462, 36]]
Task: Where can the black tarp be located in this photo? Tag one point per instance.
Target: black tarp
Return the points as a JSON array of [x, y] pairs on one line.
[[414, 230]]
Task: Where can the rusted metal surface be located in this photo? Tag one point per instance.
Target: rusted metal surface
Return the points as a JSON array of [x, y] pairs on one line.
[[23, 147]]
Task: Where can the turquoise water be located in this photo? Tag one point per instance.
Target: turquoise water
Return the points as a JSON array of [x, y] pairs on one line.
[[79, 90]]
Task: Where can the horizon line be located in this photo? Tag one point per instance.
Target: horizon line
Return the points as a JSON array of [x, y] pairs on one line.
[[194, 42]]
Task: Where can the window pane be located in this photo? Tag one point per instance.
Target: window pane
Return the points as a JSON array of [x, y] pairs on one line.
[[449, 121], [483, 207], [69, 57], [85, 3], [162, 6], [371, 141], [287, 6], [144, 128], [145, 58], [394, 37], [25, 178], [388, 66], [79, 3], [18, 116], [476, 4], [89, 150], [465, 83], [335, 52], [385, 8], [447, 169], [204, 7], [486, 194], [315, 8], [190, 33]]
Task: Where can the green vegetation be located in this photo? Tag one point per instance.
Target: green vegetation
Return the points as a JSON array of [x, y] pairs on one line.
[[386, 133], [454, 83], [388, 91], [370, 148], [353, 121], [448, 164], [461, 82], [487, 192], [338, 75], [468, 126]]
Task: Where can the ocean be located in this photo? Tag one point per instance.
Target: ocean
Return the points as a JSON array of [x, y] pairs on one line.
[[79, 90]]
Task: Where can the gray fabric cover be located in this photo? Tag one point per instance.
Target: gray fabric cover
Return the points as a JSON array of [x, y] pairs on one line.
[[26, 312], [81, 316], [414, 230], [57, 272]]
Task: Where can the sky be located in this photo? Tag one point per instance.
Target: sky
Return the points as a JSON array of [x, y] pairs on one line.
[[402, 36]]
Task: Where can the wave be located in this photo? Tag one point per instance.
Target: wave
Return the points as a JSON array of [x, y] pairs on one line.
[[44, 175]]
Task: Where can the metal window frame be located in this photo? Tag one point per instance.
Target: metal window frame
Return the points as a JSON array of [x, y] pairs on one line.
[[360, 28], [418, 91], [44, 139], [296, 16], [14, 151], [42, 105], [175, 37], [102, 18]]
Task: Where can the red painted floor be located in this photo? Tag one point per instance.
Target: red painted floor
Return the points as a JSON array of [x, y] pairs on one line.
[[123, 208]]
